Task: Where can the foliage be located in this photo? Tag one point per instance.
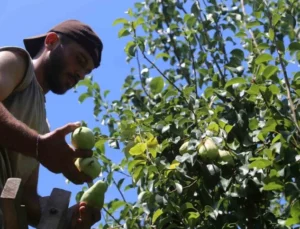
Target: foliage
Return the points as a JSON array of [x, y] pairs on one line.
[[205, 68]]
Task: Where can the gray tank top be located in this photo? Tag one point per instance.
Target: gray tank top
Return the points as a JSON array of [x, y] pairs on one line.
[[27, 104]]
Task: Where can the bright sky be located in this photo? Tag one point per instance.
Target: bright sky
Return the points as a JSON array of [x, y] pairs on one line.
[[20, 19]]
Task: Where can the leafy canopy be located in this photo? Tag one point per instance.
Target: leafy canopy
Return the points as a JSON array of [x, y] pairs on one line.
[[227, 70]]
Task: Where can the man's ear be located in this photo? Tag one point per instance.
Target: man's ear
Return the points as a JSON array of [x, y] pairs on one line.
[[51, 40]]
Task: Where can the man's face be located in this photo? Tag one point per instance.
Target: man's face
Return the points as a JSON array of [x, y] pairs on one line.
[[66, 65]]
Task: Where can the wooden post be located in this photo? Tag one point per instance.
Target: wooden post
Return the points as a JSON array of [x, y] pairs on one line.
[[55, 212], [54, 208], [14, 214]]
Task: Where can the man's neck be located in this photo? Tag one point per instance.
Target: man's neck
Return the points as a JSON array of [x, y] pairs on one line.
[[38, 69]]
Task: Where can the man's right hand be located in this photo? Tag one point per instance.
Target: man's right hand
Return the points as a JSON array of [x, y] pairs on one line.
[[58, 156]]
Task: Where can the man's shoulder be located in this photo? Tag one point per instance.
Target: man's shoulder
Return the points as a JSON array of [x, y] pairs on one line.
[[14, 65], [14, 60], [14, 54]]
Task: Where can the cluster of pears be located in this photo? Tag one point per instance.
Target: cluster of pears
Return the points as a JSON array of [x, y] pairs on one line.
[[83, 138], [209, 152]]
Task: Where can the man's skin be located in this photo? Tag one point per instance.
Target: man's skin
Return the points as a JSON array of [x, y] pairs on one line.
[[58, 67]]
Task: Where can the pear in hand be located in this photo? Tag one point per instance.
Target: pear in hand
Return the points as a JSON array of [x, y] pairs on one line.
[[94, 196], [83, 138], [90, 166]]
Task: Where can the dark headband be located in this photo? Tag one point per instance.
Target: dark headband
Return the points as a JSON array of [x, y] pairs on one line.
[[75, 30]]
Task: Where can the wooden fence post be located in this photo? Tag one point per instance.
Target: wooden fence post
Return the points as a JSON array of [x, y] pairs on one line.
[[54, 208], [14, 214]]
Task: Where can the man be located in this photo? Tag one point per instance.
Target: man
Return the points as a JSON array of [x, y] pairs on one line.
[[55, 62]]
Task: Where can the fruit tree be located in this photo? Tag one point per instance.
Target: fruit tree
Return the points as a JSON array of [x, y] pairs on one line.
[[208, 119]]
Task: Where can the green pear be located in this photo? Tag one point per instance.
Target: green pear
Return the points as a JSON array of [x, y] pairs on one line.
[[90, 166], [83, 138], [226, 156], [208, 150], [94, 196], [184, 148]]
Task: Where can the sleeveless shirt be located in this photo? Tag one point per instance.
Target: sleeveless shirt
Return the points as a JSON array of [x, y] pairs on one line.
[[27, 104]]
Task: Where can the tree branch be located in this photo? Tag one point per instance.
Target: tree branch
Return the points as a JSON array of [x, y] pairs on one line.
[[245, 25], [107, 212], [123, 197]]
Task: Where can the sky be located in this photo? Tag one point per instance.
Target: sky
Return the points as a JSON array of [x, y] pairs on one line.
[[20, 19]]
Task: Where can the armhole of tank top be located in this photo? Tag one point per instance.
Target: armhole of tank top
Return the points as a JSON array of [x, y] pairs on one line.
[[27, 77], [28, 74]]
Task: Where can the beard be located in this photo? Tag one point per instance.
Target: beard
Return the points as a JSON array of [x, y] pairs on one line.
[[54, 68]]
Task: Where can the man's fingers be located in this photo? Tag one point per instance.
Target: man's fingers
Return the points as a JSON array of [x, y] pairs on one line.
[[89, 215], [75, 176], [83, 153], [68, 128]]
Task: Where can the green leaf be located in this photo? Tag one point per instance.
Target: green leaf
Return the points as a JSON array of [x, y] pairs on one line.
[[186, 206], [272, 186], [115, 205], [123, 33], [156, 85], [134, 163], [274, 89], [270, 70], [84, 96], [106, 92], [138, 149], [162, 55], [271, 34], [295, 209], [275, 18], [238, 53], [209, 91], [130, 48], [252, 24], [138, 22], [119, 21], [137, 173], [157, 214], [263, 58], [234, 81], [253, 90], [292, 221], [100, 145], [85, 82], [295, 46], [260, 164]]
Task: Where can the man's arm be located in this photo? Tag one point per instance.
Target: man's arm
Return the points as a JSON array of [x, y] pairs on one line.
[[12, 69], [52, 149], [15, 135]]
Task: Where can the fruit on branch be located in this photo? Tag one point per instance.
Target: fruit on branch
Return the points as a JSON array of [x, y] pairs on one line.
[[225, 156], [83, 138], [208, 150], [94, 196], [184, 148], [90, 166]]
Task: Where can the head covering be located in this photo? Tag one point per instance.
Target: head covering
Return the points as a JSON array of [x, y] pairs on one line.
[[75, 30]]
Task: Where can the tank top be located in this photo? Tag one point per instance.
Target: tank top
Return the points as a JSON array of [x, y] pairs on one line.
[[27, 104]]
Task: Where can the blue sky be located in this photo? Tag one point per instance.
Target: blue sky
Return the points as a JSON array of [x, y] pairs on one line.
[[20, 19]]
